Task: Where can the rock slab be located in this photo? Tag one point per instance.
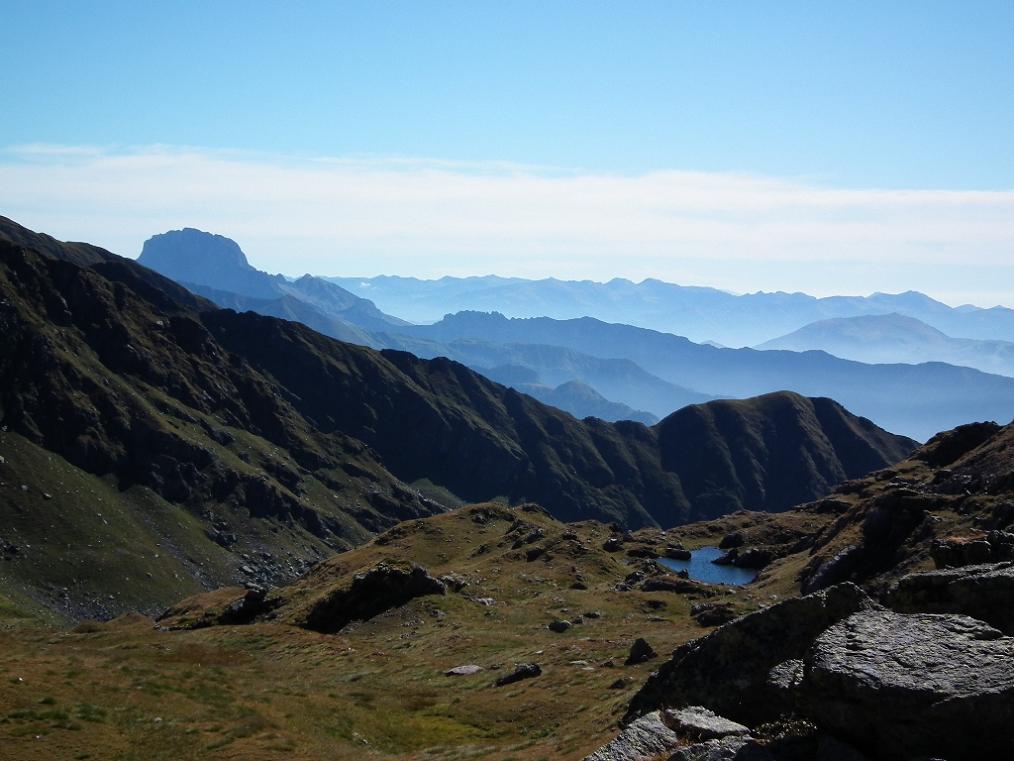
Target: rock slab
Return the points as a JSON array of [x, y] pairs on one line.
[[727, 670], [902, 686], [698, 723], [983, 591], [646, 739]]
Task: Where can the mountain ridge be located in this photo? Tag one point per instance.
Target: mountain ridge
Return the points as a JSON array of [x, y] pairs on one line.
[[701, 313], [663, 372], [918, 400], [898, 338]]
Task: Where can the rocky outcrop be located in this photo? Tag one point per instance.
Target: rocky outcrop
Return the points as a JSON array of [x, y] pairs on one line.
[[727, 670], [904, 686], [640, 652], [677, 553], [732, 748], [559, 626], [678, 585], [698, 723], [370, 594], [985, 592], [467, 670], [228, 606], [948, 446], [746, 557], [693, 733], [890, 521], [834, 675], [712, 613], [973, 549], [521, 672], [645, 739]]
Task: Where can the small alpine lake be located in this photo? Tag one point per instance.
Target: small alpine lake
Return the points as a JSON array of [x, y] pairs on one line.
[[700, 568]]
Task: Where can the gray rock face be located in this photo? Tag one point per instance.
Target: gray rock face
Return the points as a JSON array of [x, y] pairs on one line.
[[698, 723], [727, 670], [903, 686], [985, 592], [726, 749], [646, 739], [786, 677]]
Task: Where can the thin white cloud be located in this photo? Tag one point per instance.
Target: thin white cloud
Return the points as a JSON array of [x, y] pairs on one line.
[[366, 215]]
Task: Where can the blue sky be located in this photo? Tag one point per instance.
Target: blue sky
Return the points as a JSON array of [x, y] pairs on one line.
[[849, 96]]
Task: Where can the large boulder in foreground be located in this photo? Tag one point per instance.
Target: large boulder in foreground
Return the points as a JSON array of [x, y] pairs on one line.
[[985, 592], [371, 593], [903, 686], [727, 670]]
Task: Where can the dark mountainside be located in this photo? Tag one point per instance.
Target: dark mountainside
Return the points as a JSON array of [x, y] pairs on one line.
[[700, 314], [289, 308], [214, 262], [918, 400], [210, 474], [896, 338], [245, 446]]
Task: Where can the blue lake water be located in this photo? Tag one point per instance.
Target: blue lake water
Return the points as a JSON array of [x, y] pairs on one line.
[[701, 568]]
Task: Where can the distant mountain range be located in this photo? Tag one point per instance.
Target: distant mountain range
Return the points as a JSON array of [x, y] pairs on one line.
[[700, 314], [637, 372], [154, 444], [918, 400], [896, 338], [216, 268]]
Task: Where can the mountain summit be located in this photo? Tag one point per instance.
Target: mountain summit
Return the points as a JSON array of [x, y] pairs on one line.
[[896, 338], [216, 267], [194, 256]]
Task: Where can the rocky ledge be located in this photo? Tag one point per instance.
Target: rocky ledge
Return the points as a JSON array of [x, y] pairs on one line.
[[836, 676], [910, 685]]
